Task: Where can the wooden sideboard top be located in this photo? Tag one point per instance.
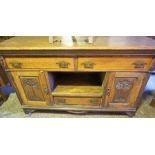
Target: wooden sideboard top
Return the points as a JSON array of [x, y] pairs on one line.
[[25, 45], [37, 43]]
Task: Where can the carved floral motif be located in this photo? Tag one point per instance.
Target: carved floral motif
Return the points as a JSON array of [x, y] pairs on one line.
[[123, 87], [30, 82], [123, 84], [33, 86]]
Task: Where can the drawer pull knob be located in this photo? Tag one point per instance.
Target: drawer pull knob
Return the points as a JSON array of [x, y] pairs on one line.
[[89, 65], [63, 64], [16, 64], [139, 64]]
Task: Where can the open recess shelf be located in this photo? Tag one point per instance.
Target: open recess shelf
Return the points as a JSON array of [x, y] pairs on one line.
[[76, 84]]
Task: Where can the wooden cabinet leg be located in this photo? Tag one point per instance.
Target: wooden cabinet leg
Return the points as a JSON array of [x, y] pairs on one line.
[[130, 114], [28, 111], [2, 96], [153, 102]]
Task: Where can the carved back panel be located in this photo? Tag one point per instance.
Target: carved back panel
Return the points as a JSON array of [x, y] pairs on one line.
[[124, 88]]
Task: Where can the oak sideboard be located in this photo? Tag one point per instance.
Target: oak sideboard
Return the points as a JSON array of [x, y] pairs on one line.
[[108, 75]]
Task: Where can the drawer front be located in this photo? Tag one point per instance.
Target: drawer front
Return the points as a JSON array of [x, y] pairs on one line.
[[41, 63], [77, 101], [114, 63]]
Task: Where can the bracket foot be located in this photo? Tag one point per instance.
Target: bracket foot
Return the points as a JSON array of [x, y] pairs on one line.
[[130, 114], [28, 111]]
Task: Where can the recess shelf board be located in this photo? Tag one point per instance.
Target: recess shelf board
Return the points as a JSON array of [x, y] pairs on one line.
[[89, 91]]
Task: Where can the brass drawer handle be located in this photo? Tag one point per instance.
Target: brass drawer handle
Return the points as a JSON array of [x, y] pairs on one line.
[[16, 64], [60, 100], [63, 64], [94, 101], [139, 64], [89, 65]]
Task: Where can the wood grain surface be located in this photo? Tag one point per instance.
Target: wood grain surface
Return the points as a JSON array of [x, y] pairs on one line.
[[100, 43], [85, 101], [92, 91], [113, 63]]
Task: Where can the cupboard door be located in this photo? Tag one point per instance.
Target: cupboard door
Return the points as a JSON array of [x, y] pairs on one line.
[[123, 89], [32, 87]]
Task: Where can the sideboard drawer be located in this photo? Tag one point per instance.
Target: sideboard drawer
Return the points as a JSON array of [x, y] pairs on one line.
[[114, 63], [54, 63], [85, 101]]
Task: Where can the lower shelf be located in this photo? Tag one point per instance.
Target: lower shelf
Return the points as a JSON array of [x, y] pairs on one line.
[[81, 91]]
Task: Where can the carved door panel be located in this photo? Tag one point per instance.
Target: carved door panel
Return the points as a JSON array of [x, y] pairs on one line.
[[32, 87], [123, 89]]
